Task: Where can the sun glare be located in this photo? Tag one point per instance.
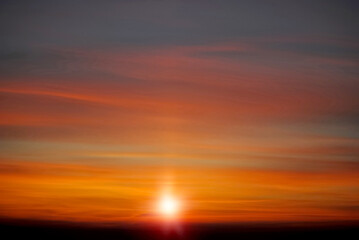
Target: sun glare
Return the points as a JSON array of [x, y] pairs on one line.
[[168, 205]]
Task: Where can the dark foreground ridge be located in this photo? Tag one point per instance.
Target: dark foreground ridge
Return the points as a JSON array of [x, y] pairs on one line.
[[16, 229]]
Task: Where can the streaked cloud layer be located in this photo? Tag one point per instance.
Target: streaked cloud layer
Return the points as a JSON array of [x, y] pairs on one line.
[[251, 108]]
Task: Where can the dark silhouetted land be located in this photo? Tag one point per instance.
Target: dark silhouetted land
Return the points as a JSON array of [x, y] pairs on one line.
[[16, 229]]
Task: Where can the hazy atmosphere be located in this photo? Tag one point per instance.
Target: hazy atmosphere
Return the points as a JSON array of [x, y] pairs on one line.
[[242, 111]]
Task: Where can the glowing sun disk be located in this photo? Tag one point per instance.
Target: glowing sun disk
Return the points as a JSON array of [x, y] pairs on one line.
[[168, 205]]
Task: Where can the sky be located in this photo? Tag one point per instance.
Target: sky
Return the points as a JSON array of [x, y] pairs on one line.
[[247, 110]]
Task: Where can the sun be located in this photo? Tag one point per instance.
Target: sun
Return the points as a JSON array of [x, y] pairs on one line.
[[168, 205]]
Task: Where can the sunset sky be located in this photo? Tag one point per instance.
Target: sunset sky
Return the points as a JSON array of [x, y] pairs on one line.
[[247, 110]]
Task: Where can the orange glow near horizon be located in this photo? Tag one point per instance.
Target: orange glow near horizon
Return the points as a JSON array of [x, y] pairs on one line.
[[101, 195]]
